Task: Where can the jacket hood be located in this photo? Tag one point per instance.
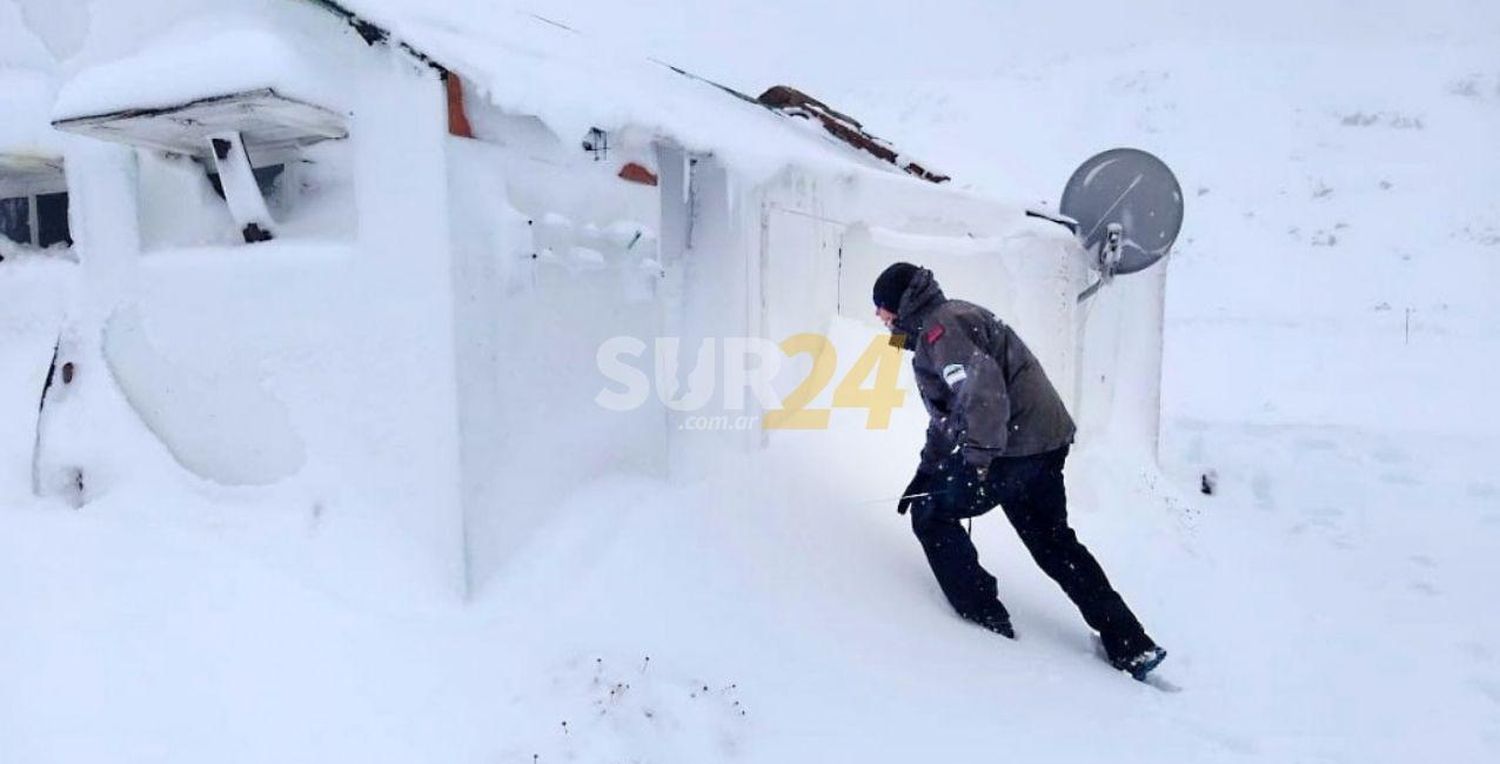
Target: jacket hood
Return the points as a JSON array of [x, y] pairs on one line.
[[922, 295]]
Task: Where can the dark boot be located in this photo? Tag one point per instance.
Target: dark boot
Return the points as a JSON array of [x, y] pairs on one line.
[[1140, 664], [998, 622]]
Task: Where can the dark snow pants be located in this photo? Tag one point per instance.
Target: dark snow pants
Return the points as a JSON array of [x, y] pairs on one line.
[[1030, 490]]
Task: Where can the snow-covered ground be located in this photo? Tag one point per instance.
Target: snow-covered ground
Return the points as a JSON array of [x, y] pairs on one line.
[[1332, 333]]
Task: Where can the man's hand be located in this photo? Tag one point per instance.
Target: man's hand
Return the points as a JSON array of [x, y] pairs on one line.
[[916, 489], [979, 459]]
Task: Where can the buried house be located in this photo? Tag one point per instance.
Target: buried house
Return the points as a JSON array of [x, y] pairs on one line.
[[357, 264]]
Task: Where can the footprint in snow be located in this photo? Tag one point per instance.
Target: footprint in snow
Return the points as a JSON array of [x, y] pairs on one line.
[[1317, 444], [1476, 651], [1260, 487], [1425, 588], [1489, 688]]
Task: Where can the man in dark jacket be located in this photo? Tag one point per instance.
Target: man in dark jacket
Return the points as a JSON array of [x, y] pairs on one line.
[[999, 434]]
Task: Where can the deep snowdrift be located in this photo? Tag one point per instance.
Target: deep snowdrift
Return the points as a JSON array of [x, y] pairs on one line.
[[782, 615]]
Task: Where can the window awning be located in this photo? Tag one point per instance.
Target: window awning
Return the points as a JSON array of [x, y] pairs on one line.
[[269, 123], [23, 173]]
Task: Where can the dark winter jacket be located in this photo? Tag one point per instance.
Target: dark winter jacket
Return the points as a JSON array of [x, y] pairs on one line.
[[986, 393]]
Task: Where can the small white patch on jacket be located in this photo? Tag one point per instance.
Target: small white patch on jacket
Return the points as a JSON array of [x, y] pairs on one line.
[[954, 373]]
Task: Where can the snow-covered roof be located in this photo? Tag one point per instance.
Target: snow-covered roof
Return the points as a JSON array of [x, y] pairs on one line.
[[188, 67], [527, 64], [518, 61]]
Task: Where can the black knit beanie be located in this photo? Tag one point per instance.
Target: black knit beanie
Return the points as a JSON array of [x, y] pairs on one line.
[[892, 284]]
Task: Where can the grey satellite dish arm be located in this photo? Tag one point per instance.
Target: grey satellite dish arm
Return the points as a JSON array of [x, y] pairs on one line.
[[1107, 259]]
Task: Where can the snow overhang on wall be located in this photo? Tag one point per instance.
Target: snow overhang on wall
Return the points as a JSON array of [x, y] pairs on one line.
[[27, 142], [176, 94]]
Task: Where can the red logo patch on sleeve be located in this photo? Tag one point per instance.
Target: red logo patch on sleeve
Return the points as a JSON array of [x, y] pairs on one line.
[[934, 334]]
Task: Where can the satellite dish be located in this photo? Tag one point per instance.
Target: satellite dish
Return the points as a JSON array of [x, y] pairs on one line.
[[1128, 206]]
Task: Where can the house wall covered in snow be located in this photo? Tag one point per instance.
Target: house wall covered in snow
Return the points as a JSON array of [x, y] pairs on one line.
[[410, 376], [554, 255], [312, 376]]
